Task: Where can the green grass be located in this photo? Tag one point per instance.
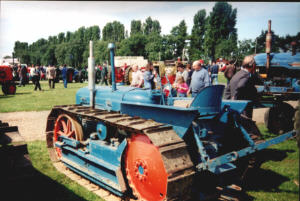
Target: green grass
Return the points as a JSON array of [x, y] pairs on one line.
[[26, 99], [278, 175]]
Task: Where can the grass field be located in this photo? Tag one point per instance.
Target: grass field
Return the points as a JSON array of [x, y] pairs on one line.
[[26, 99]]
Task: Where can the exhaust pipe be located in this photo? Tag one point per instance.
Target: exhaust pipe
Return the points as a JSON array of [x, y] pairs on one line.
[[91, 74], [111, 47], [268, 45]]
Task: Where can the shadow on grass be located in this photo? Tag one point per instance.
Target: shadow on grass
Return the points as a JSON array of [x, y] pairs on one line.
[[36, 187], [6, 96], [258, 179]]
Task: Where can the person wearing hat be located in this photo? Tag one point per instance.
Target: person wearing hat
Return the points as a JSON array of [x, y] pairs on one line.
[[200, 78], [242, 84]]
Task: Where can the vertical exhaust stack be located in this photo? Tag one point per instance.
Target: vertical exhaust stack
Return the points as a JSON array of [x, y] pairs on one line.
[[91, 74], [111, 47], [268, 45]]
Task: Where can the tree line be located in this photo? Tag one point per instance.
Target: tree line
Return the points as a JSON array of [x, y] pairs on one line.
[[212, 36]]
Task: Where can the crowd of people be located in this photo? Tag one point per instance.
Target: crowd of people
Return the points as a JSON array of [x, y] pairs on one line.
[[193, 77], [35, 73]]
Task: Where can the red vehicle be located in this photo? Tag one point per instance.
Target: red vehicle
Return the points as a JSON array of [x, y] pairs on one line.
[[6, 80]]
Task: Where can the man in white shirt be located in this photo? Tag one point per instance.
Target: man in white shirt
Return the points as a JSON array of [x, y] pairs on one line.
[[137, 77]]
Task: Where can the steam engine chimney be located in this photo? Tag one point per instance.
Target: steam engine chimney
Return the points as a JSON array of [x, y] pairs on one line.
[[268, 45]]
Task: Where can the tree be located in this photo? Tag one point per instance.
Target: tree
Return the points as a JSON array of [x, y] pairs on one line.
[[220, 26], [133, 46], [179, 36], [151, 26], [101, 52], [153, 47], [61, 38], [113, 32], [245, 47], [135, 27], [197, 37]]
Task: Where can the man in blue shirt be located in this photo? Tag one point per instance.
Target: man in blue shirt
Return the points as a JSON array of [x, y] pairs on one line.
[[214, 70], [200, 79], [64, 75]]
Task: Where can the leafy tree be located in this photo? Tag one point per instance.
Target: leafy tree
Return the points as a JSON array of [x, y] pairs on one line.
[[101, 51], [179, 36], [245, 47], [220, 27], [197, 37], [136, 27], [168, 47], [113, 32], [61, 38], [151, 26], [133, 46], [153, 47]]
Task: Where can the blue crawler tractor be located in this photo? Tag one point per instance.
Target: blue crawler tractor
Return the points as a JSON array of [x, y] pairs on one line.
[[279, 81], [141, 144]]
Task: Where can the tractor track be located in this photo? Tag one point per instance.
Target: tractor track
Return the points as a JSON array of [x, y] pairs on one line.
[[172, 148]]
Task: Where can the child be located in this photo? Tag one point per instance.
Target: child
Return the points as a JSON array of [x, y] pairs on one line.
[[181, 87]]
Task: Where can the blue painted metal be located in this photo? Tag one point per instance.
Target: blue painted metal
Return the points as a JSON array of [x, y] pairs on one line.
[[284, 65], [213, 164], [101, 130], [285, 60], [100, 163]]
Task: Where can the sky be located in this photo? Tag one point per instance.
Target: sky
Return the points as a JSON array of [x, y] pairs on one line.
[[28, 21]]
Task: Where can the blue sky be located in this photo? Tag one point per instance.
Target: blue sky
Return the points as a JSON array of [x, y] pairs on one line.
[[28, 21]]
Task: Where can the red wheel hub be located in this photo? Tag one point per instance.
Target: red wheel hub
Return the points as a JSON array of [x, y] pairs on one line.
[[64, 126], [145, 169]]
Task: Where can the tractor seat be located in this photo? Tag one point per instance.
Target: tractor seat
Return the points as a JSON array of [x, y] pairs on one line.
[[208, 99]]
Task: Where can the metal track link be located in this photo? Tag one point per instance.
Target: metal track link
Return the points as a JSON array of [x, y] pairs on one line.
[[173, 150]]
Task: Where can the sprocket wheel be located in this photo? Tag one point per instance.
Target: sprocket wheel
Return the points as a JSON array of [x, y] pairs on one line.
[[145, 169], [66, 126]]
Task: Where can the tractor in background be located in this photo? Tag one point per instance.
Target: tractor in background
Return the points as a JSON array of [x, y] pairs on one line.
[[6, 80], [123, 68], [279, 81], [139, 143]]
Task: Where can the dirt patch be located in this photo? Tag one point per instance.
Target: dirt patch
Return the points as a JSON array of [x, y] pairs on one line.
[[32, 125]]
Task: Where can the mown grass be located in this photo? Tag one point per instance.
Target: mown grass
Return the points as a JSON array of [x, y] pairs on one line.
[[275, 180], [26, 99]]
